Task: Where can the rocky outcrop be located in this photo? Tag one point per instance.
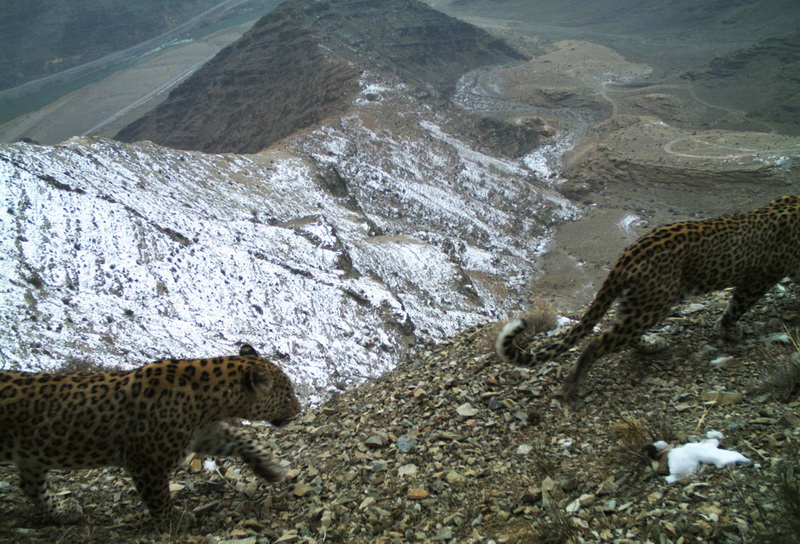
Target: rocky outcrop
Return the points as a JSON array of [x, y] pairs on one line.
[[303, 63], [258, 90]]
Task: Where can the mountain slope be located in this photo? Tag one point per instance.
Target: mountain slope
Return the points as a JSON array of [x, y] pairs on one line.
[[302, 63], [453, 446], [763, 80], [334, 257]]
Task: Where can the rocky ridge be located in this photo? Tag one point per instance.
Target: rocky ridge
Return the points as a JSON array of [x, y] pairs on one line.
[[453, 446], [302, 63]]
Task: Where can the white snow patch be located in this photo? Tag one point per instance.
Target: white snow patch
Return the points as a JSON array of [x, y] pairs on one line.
[[546, 161], [629, 222]]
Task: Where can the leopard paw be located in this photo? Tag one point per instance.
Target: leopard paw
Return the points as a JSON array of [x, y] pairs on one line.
[[650, 343], [731, 333], [66, 511]]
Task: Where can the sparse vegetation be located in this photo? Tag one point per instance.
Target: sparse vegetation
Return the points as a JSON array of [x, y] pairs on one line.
[[781, 375], [787, 518], [636, 432], [540, 316], [556, 527]]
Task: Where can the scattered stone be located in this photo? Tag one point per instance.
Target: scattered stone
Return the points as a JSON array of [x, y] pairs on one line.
[[789, 419], [301, 489], [721, 361], [196, 464], [417, 494], [407, 470], [406, 443], [722, 397], [608, 487], [445, 533], [524, 449], [692, 308], [777, 339], [376, 441], [609, 506], [248, 540], [466, 410], [378, 465]]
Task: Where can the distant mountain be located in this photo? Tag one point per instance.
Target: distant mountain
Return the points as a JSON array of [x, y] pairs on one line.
[[304, 62], [42, 38], [671, 36], [753, 19], [763, 79]]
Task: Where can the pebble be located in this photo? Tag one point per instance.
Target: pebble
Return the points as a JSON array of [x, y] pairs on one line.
[[407, 470], [376, 441], [248, 540], [445, 533], [301, 490], [722, 397], [417, 494], [789, 419], [406, 443], [466, 410], [777, 339], [378, 465]]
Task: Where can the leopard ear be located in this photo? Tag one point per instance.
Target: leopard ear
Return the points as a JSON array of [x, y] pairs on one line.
[[257, 380], [247, 349]]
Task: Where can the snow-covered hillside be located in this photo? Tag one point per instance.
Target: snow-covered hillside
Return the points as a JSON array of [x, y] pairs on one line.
[[119, 254]]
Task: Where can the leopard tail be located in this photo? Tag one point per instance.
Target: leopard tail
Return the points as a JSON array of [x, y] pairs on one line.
[[511, 353]]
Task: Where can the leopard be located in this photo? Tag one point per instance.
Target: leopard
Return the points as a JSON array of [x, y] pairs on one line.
[[748, 251], [145, 420]]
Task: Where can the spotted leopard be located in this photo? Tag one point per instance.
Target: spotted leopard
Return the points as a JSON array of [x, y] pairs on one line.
[[749, 251], [144, 420]]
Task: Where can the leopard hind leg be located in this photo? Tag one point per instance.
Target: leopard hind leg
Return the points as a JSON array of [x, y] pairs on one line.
[[629, 329]]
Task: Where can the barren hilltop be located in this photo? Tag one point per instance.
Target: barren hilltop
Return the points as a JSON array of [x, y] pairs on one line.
[[302, 64]]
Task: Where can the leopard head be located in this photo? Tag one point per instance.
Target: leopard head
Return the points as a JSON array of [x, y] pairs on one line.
[[270, 392]]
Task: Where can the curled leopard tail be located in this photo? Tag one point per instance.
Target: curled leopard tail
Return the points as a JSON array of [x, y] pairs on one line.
[[509, 352], [505, 347]]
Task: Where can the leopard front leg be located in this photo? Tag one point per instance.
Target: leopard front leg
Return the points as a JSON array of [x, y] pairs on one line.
[[225, 440], [742, 299], [33, 482], [151, 479]]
